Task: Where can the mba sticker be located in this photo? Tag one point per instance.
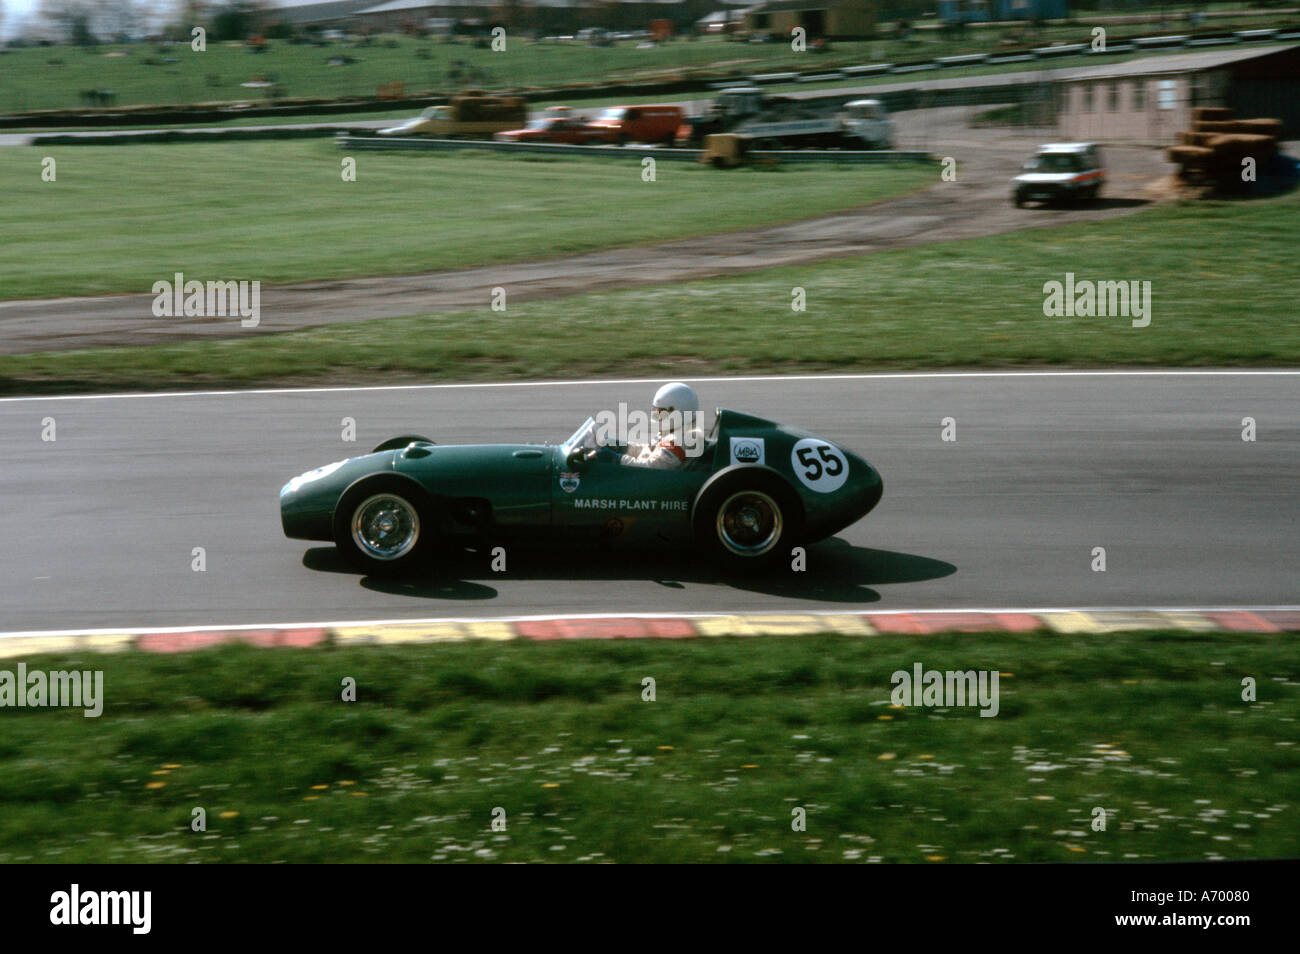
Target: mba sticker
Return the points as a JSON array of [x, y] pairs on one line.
[[747, 450]]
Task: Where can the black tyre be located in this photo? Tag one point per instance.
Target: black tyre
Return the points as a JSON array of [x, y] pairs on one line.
[[1019, 199], [397, 443], [747, 520], [384, 525]]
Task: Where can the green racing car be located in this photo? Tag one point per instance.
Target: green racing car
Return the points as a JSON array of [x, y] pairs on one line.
[[751, 491]]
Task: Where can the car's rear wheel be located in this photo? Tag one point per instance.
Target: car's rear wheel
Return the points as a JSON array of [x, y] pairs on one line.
[[383, 525], [747, 521]]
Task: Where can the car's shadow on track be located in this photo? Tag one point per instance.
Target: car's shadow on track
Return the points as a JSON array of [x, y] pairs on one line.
[[836, 572]]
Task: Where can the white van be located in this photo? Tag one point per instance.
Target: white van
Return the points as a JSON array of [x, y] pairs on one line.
[[1070, 172], [866, 119]]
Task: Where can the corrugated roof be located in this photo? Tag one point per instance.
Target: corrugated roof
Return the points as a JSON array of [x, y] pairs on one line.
[[315, 11], [1043, 74], [393, 6], [774, 6], [1170, 63]]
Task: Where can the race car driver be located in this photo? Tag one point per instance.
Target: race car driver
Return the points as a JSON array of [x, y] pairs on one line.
[[673, 410]]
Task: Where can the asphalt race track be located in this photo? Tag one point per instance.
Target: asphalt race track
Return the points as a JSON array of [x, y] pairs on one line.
[[100, 524]]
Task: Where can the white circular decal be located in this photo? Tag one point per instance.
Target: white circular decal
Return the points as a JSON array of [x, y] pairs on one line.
[[820, 466]]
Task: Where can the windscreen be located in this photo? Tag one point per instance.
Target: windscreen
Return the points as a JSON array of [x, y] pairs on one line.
[[583, 437], [1055, 162]]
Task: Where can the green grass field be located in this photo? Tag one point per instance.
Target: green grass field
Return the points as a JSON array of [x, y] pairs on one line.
[[559, 98], [117, 219], [1150, 727], [53, 77], [1223, 287], [216, 75]]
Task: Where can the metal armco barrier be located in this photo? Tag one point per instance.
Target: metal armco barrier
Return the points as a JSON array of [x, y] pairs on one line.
[[344, 141]]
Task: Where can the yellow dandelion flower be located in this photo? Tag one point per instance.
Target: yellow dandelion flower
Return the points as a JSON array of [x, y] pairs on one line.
[[319, 788], [1077, 849], [751, 765], [550, 785], [886, 756], [664, 748], [936, 857], [347, 783], [229, 815], [156, 785], [885, 718], [172, 765]]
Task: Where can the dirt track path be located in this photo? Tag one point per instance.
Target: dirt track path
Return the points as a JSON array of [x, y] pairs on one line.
[[975, 205]]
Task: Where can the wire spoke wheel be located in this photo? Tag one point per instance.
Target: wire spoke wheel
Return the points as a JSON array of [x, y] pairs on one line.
[[749, 523], [385, 527]]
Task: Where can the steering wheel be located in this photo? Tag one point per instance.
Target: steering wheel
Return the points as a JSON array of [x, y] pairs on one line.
[[605, 455]]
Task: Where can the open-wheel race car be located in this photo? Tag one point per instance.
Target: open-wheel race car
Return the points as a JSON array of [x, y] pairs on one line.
[[751, 490]]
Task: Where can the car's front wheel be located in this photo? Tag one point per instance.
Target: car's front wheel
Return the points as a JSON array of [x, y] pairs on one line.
[[748, 521], [383, 525]]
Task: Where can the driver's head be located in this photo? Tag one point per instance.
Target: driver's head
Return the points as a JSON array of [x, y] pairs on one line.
[[671, 404]]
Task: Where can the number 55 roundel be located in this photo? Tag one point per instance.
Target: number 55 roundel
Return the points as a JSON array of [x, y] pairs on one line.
[[819, 465]]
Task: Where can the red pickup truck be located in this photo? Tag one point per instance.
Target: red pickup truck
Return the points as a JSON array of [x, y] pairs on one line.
[[653, 124]]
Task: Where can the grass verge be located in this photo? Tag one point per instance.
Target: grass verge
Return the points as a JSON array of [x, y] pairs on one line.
[[1223, 288], [1149, 726], [119, 219]]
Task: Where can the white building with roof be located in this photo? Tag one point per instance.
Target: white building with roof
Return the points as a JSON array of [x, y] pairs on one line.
[[1151, 100]]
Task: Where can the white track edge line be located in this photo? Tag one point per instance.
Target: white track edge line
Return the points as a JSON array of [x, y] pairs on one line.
[[887, 375], [425, 621]]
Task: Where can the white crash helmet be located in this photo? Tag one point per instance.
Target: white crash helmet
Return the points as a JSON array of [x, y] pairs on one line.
[[671, 404]]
